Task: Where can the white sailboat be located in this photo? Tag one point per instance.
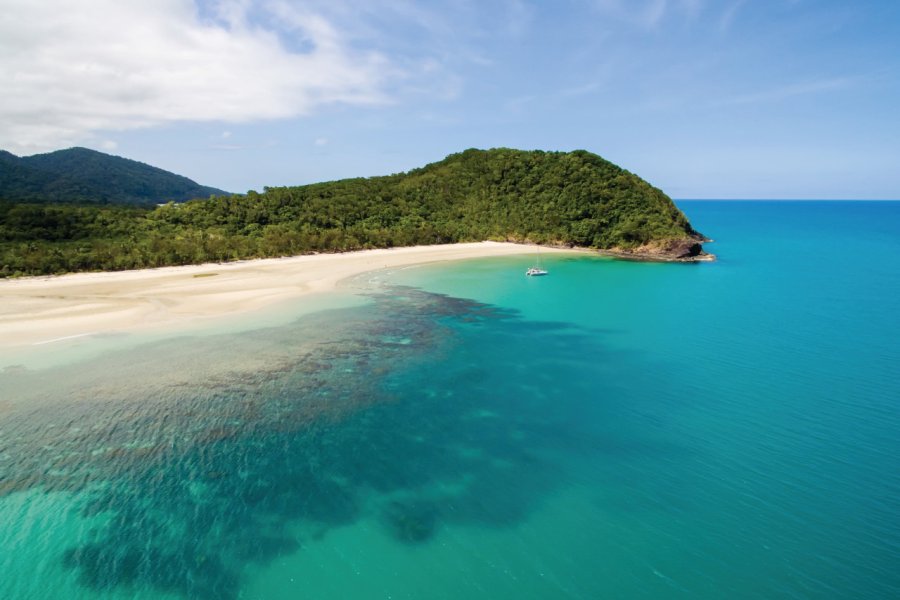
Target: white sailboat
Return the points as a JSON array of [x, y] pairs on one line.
[[537, 269]]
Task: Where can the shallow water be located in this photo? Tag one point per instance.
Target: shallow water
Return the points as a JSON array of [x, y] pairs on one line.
[[612, 430]]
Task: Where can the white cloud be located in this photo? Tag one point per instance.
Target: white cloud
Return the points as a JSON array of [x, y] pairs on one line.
[[648, 14], [692, 7], [654, 13], [109, 145], [729, 15], [580, 90], [320, 141], [788, 91], [71, 69], [519, 17]]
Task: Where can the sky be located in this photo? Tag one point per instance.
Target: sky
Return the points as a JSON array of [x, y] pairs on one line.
[[703, 98]]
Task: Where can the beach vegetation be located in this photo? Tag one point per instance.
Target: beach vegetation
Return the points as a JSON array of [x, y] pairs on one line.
[[561, 198]]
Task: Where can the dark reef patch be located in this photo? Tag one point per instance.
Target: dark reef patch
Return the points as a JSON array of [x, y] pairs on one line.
[[411, 522], [200, 456]]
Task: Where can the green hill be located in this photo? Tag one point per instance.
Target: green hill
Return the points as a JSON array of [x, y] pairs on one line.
[[82, 176], [564, 198]]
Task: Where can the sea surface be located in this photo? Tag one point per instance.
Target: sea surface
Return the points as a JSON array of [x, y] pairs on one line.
[[613, 430]]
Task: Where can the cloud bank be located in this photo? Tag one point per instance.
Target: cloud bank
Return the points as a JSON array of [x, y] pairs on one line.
[[71, 69]]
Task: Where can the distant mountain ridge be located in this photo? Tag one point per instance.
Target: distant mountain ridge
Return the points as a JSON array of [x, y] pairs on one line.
[[83, 176]]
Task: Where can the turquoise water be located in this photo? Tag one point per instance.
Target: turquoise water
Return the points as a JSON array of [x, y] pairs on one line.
[[615, 429]]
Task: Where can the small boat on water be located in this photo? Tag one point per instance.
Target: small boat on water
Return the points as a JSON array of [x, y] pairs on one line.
[[537, 269]]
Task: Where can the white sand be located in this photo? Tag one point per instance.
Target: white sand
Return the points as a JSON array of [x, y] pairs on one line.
[[43, 310]]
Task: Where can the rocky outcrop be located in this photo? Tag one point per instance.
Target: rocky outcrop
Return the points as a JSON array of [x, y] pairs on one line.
[[672, 250]]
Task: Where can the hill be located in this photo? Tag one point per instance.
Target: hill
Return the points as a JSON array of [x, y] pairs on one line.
[[562, 198], [82, 176], [566, 198]]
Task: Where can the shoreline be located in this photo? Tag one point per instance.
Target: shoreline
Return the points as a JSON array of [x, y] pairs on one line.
[[43, 310], [659, 258]]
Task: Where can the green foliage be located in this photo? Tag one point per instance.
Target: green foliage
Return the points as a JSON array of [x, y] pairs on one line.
[[574, 198], [82, 176]]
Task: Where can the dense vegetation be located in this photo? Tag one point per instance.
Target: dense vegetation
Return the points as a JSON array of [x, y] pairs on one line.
[[82, 176], [574, 198]]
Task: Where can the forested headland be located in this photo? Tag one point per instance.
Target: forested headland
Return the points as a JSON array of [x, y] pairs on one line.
[[563, 198]]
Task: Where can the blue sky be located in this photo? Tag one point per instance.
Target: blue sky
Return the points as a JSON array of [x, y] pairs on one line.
[[703, 98]]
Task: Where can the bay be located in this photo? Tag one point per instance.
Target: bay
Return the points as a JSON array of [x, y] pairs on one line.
[[615, 429]]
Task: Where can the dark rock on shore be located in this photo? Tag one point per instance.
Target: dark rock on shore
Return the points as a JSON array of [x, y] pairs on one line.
[[672, 250]]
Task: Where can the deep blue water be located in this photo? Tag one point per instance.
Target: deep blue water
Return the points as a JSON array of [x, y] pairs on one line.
[[615, 429]]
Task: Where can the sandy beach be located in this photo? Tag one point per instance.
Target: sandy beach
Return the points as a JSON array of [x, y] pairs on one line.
[[43, 310]]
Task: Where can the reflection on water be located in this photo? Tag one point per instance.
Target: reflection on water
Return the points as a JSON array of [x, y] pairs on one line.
[[194, 458]]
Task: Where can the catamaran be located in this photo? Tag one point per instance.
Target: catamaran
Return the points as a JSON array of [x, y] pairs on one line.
[[536, 269]]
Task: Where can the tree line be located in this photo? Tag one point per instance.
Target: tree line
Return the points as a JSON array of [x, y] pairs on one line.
[[572, 198]]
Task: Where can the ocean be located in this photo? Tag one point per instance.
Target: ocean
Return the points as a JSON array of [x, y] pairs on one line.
[[457, 430]]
